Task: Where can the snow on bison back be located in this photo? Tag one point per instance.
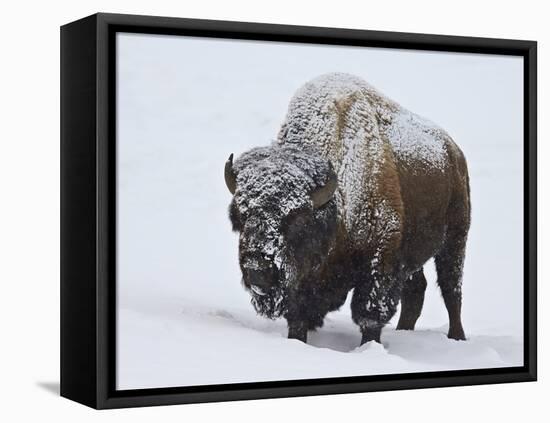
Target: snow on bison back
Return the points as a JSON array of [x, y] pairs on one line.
[[356, 193]]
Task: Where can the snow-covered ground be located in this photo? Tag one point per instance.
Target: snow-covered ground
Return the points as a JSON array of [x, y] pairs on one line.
[[186, 104]]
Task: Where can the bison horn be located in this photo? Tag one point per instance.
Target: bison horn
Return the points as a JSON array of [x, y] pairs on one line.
[[322, 195], [230, 177]]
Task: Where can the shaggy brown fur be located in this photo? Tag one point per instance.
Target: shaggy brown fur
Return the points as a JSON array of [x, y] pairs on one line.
[[402, 198]]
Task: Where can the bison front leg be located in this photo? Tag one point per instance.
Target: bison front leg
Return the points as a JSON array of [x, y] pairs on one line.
[[297, 330], [296, 315], [373, 305]]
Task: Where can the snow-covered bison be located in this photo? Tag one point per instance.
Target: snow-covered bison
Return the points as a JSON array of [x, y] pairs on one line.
[[356, 193]]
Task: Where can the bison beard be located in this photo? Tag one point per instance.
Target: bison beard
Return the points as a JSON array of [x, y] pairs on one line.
[[357, 193], [272, 304]]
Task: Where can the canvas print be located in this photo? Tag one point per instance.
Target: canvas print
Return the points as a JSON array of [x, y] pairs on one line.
[[295, 211]]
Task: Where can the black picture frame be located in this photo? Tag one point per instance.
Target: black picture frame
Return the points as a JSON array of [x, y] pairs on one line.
[[88, 222]]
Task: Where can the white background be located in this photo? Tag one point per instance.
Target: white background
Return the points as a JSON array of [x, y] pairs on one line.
[[30, 216], [184, 104]]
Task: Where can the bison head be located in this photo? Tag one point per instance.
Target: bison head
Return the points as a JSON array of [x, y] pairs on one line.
[[284, 211]]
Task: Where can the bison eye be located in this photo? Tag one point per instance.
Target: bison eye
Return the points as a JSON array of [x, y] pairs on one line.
[[296, 220]]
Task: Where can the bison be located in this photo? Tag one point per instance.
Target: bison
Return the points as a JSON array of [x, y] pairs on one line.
[[356, 193]]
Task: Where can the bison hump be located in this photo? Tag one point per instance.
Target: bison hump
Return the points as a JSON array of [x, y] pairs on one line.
[[417, 141]]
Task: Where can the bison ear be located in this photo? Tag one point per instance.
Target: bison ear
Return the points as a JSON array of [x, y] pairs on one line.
[[322, 195], [230, 177]]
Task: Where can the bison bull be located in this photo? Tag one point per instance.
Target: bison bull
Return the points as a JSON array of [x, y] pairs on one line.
[[356, 193]]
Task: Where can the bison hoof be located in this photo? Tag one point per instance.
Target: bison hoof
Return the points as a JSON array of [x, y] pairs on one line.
[[405, 326], [298, 332], [456, 334], [371, 334]]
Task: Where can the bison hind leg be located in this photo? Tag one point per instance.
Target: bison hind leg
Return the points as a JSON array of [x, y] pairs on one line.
[[412, 300], [449, 264]]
